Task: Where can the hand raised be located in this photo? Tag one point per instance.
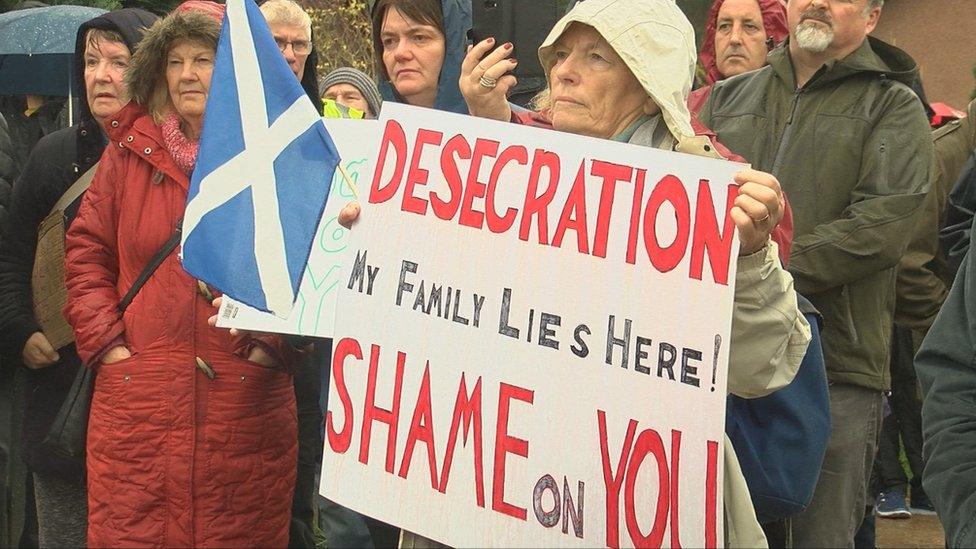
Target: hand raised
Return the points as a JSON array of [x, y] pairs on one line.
[[758, 209], [485, 81]]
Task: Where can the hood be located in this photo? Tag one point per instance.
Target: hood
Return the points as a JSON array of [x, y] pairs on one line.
[[195, 19], [654, 39], [310, 77], [131, 23], [457, 21], [873, 56], [919, 90], [774, 21]]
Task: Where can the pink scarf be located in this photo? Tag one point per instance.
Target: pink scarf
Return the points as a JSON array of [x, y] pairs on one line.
[[183, 150]]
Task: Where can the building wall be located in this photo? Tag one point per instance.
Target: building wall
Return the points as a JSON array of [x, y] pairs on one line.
[[941, 36]]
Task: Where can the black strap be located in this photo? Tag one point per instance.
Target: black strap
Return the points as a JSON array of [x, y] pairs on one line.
[[151, 267]]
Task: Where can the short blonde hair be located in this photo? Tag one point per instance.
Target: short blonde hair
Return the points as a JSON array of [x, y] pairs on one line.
[[287, 12]]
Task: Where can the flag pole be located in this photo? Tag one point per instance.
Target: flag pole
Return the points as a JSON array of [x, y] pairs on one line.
[[348, 180]]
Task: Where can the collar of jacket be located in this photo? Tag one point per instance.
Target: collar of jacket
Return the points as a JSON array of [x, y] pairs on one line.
[[133, 128], [874, 56]]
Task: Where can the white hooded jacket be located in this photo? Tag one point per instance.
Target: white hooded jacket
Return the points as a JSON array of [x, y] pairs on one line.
[[769, 334]]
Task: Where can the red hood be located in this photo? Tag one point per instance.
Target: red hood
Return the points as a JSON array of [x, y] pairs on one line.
[[774, 21], [213, 9], [943, 114]]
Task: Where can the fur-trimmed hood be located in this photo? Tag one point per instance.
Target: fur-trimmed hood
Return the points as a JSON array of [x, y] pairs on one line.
[[193, 20]]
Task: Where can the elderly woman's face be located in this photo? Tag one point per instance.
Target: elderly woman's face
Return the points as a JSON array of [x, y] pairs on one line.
[[189, 67], [593, 91]]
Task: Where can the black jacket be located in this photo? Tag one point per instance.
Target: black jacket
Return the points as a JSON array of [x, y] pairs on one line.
[[55, 163], [26, 131], [7, 172], [946, 367]]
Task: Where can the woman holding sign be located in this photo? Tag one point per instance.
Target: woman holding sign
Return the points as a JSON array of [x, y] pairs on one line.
[[627, 78], [192, 432]]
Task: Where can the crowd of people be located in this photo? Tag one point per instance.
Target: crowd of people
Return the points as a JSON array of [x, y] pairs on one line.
[[200, 436]]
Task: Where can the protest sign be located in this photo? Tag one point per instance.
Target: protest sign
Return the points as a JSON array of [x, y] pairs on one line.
[[314, 311], [532, 339]]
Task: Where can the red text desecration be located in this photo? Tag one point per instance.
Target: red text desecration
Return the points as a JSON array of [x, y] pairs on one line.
[[697, 232]]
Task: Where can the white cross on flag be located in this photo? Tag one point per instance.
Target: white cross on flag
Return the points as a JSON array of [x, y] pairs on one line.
[[263, 173]]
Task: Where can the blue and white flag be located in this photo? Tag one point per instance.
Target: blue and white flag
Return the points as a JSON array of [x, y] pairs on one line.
[[263, 172]]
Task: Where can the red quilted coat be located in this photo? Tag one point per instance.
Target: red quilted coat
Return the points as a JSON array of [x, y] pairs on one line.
[[175, 458]]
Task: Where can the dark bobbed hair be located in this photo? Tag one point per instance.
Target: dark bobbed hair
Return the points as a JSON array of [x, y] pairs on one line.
[[425, 12]]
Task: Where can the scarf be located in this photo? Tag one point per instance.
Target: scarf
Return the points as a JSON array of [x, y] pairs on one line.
[[183, 150]]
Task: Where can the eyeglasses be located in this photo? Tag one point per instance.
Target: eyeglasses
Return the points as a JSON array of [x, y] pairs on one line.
[[300, 47]]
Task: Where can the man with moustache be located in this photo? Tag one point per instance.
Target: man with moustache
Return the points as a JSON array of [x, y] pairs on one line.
[[833, 118]]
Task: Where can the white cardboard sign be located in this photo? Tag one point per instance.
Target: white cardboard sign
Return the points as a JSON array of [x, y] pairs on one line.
[[532, 339]]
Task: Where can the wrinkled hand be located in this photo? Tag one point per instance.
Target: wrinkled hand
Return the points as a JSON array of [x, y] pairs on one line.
[[758, 208], [116, 354], [349, 214], [38, 352], [483, 101]]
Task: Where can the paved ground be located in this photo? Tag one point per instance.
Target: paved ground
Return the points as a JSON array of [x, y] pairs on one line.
[[918, 531]]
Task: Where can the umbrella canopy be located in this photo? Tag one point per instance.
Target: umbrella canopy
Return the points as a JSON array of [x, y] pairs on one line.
[[37, 48]]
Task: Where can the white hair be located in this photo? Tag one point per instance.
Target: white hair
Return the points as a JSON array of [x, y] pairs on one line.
[[287, 12]]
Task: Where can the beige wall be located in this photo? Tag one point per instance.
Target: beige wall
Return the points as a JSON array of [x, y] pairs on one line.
[[941, 36]]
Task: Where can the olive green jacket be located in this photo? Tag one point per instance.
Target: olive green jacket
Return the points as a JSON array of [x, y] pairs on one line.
[[853, 150], [924, 275]]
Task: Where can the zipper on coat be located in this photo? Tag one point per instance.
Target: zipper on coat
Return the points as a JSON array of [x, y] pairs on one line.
[[784, 140]]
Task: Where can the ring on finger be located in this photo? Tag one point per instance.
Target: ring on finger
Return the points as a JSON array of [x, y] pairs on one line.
[[765, 219], [488, 82]]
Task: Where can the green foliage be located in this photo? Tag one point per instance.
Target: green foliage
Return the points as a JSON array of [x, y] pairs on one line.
[[160, 7], [6, 5], [157, 6], [341, 31]]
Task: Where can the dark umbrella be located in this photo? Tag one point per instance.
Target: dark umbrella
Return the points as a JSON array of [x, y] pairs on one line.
[[37, 49]]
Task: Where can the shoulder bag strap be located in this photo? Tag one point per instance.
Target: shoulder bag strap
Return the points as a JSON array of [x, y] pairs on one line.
[[151, 267], [76, 189]]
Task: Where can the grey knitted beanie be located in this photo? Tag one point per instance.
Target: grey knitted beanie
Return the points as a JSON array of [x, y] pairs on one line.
[[357, 78]]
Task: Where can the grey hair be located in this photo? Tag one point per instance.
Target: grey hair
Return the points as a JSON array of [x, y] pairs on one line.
[[286, 12], [875, 4]]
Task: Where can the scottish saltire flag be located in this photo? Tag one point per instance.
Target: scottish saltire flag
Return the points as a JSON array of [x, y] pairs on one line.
[[263, 172]]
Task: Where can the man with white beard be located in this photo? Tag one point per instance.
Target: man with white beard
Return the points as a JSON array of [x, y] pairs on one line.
[[833, 118]]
